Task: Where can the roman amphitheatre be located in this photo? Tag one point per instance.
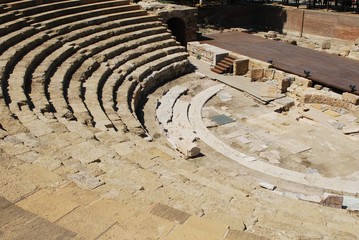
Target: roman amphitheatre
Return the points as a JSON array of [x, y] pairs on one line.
[[148, 120]]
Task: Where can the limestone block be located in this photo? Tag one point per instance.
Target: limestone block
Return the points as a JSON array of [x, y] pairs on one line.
[[268, 73], [199, 228], [49, 206], [85, 180], [257, 74], [352, 98], [284, 83], [240, 66], [271, 34], [267, 186], [279, 74], [351, 203], [269, 91], [326, 44], [253, 63], [285, 103], [350, 129], [187, 148], [303, 82]]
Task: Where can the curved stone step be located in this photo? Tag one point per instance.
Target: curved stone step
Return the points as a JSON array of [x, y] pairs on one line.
[[129, 93], [12, 26], [60, 12], [67, 68], [178, 66], [54, 22], [52, 62], [15, 37], [83, 24], [47, 6], [42, 74], [100, 76], [112, 83]]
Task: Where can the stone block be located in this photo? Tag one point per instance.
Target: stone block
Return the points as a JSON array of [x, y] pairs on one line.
[[279, 74], [267, 186], [254, 63], [350, 129], [198, 228], [300, 81], [187, 148], [47, 205], [285, 103], [257, 74], [350, 97], [268, 73], [85, 180], [169, 213], [284, 83], [241, 66], [333, 201], [326, 44], [269, 91]]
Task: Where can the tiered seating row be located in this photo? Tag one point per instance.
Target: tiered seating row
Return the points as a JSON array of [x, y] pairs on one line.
[[81, 67]]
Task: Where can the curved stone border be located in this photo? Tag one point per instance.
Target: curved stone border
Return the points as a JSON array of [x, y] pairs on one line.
[[314, 180], [171, 115]]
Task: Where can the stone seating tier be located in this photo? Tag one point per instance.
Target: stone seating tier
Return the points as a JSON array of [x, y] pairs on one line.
[[69, 11], [47, 76]]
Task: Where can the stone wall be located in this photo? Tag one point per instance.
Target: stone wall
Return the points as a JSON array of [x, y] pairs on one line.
[[188, 15], [328, 24], [335, 100]]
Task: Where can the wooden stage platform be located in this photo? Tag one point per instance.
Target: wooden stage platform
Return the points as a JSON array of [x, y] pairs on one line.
[[326, 69]]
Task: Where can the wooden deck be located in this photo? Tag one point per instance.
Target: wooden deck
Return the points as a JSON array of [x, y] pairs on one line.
[[326, 69]]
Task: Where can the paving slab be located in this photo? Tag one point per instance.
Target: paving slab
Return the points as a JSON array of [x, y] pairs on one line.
[[169, 213], [47, 205], [140, 226], [85, 180], [16, 223], [199, 228], [96, 218], [88, 151]]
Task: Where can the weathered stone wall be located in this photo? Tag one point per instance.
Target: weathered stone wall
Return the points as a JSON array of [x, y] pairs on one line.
[[313, 96], [188, 15], [328, 24]]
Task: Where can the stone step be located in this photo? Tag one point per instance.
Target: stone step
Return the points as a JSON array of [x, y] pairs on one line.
[[52, 63], [15, 37], [47, 6], [113, 82], [7, 17], [41, 77], [216, 70], [108, 33], [14, 53], [104, 26], [62, 11], [84, 24], [102, 75], [20, 80], [74, 62], [19, 4], [54, 22], [176, 67], [128, 94], [11, 26]]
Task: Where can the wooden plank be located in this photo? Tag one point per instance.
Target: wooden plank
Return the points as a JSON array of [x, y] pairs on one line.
[[329, 70]]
